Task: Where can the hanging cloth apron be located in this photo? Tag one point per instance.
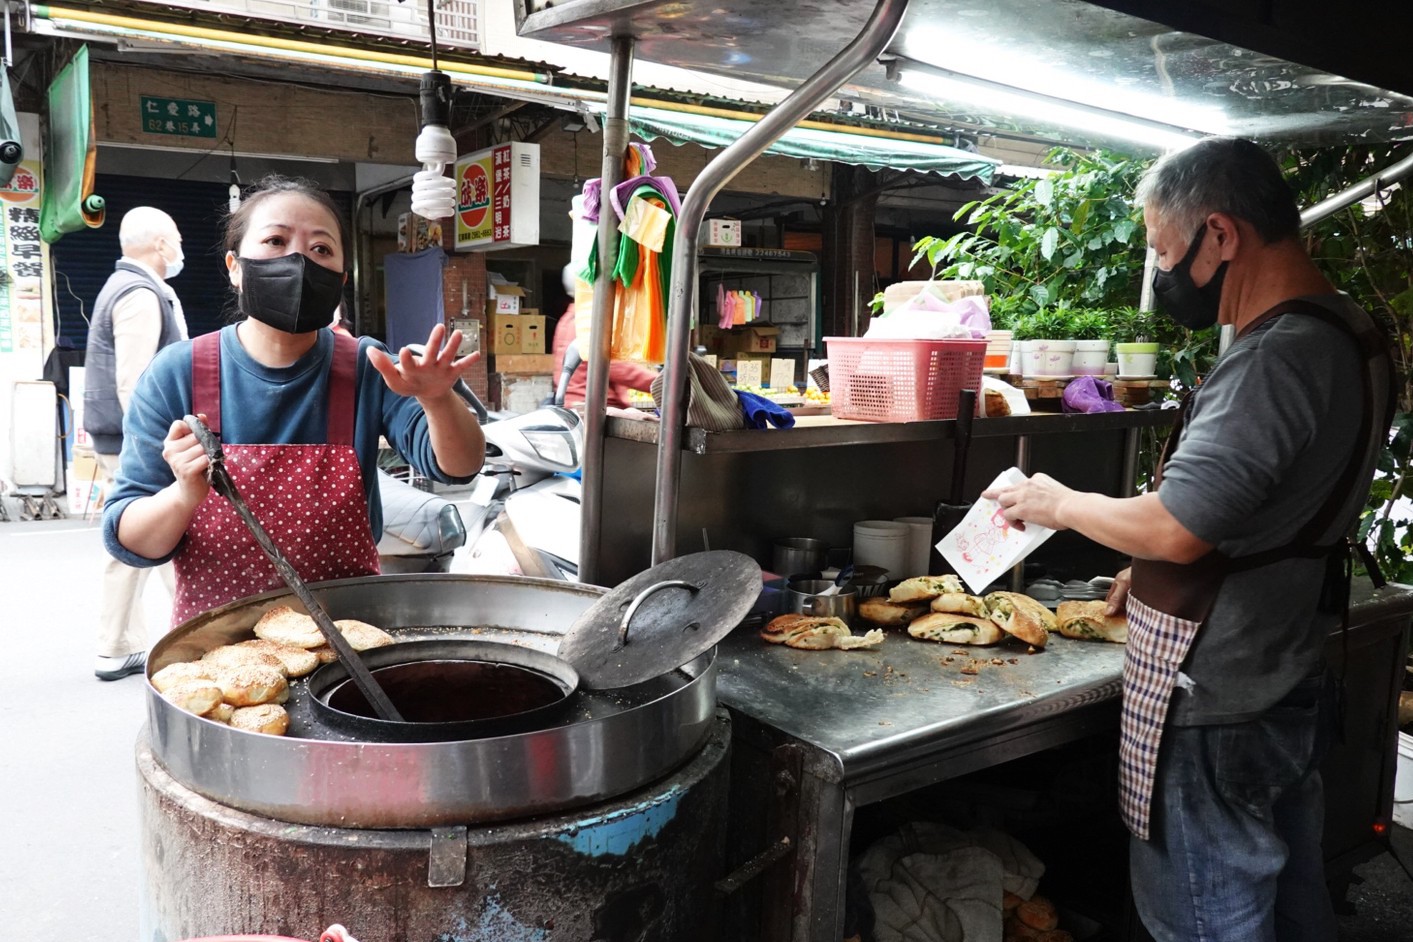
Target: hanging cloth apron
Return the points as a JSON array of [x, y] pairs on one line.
[[1168, 602], [309, 498]]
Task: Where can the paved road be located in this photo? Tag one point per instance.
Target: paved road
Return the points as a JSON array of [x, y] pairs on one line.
[[68, 786]]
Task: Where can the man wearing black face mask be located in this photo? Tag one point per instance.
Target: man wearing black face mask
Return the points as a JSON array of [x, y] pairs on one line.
[[1235, 580]]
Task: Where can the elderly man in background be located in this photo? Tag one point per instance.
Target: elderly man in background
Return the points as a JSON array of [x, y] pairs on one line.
[[136, 314]]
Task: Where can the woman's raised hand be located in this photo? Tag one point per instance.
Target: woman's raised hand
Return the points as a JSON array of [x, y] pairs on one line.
[[426, 376]]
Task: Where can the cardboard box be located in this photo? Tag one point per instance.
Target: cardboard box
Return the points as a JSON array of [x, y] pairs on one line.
[[524, 363], [517, 333], [504, 299], [517, 392], [414, 233], [722, 232], [85, 496], [84, 465], [753, 338]]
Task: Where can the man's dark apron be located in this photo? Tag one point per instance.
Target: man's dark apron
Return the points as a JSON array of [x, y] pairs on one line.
[[1168, 602]]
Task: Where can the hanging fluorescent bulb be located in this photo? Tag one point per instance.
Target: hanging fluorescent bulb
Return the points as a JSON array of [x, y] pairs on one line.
[[1048, 110], [433, 192]]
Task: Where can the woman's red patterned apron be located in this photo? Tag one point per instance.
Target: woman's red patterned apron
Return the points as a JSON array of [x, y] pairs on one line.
[[309, 498], [1168, 602]]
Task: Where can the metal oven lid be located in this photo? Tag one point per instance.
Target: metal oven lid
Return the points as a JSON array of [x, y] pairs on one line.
[[661, 618]]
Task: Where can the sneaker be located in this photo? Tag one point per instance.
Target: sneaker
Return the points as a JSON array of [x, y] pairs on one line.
[[112, 668]]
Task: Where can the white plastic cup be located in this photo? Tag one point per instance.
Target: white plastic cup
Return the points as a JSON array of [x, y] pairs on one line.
[[919, 544], [882, 543]]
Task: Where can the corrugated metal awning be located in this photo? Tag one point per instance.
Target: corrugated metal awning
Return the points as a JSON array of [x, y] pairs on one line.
[[874, 152]]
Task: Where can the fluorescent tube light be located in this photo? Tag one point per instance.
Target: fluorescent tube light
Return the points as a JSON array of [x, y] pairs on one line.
[[942, 85]]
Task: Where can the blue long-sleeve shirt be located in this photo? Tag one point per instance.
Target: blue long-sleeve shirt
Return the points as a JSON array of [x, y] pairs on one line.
[[261, 405]]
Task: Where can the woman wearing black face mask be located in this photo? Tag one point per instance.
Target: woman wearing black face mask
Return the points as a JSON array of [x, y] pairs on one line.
[[299, 410]]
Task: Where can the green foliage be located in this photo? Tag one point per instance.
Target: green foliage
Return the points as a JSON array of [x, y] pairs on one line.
[[1367, 255], [1090, 324], [1071, 240], [1045, 324]]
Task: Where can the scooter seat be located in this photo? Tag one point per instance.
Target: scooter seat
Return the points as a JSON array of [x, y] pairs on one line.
[[416, 523]]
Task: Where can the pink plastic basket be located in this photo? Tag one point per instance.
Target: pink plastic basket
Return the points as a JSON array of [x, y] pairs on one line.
[[901, 380]]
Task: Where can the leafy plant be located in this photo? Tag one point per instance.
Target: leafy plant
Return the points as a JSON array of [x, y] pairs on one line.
[[1072, 239], [1364, 250], [1089, 325], [1045, 324]]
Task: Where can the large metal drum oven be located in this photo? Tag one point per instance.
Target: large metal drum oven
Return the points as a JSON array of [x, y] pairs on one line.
[[607, 822]]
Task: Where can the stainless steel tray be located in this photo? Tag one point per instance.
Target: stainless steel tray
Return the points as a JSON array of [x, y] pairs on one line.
[[609, 743]]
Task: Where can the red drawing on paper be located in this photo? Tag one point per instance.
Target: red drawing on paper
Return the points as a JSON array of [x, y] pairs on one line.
[[987, 542]]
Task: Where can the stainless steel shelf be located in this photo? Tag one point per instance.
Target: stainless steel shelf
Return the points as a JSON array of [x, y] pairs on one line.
[[829, 432]]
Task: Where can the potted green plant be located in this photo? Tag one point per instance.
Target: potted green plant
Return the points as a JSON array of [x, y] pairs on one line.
[[1135, 345], [1090, 329], [1046, 349]]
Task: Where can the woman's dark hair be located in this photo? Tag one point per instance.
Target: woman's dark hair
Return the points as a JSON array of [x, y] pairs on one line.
[[1221, 175], [238, 220]]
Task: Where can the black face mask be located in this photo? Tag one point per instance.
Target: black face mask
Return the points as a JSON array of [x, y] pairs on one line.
[[1190, 306], [289, 293]]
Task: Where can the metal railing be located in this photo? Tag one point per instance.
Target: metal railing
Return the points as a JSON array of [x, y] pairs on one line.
[[458, 21]]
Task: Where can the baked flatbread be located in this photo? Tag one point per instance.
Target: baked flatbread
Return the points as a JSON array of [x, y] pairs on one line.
[[363, 636], [221, 712], [1022, 617], [252, 684], [1087, 621], [285, 625], [181, 671], [924, 588], [266, 718], [297, 661], [817, 633], [959, 603], [951, 628], [194, 696], [235, 655], [889, 614]]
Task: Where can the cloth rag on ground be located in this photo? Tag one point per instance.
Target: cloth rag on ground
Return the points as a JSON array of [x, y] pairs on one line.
[[759, 410], [929, 882], [1088, 394]]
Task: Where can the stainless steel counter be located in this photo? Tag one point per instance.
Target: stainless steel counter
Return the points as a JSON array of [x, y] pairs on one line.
[[821, 733]]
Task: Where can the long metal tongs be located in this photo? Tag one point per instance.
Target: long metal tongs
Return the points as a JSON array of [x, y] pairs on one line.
[[221, 481]]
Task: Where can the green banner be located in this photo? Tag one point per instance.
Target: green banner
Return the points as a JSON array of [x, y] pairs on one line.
[[178, 116]]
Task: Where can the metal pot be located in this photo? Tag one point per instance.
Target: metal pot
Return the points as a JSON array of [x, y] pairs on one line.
[[804, 597]]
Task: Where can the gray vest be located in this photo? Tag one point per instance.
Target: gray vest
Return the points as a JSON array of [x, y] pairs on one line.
[[102, 412]]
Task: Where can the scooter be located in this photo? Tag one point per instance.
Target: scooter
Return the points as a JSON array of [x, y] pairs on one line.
[[528, 496]]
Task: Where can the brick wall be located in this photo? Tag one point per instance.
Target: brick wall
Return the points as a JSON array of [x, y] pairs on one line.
[[465, 276]]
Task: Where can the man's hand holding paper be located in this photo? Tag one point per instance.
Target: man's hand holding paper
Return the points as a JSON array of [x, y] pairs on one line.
[[1036, 499]]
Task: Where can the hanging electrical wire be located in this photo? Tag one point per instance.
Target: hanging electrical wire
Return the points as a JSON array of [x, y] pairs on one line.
[[434, 193]]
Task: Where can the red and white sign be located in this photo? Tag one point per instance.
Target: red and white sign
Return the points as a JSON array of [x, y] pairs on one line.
[[490, 185]]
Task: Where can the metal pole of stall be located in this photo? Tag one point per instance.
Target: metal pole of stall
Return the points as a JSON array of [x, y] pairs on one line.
[[615, 147], [871, 41]]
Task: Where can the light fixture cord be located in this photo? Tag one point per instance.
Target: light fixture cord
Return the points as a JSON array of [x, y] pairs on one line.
[[432, 26]]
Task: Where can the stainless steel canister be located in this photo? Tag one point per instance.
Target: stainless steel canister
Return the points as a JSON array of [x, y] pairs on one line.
[[804, 597], [797, 555]]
